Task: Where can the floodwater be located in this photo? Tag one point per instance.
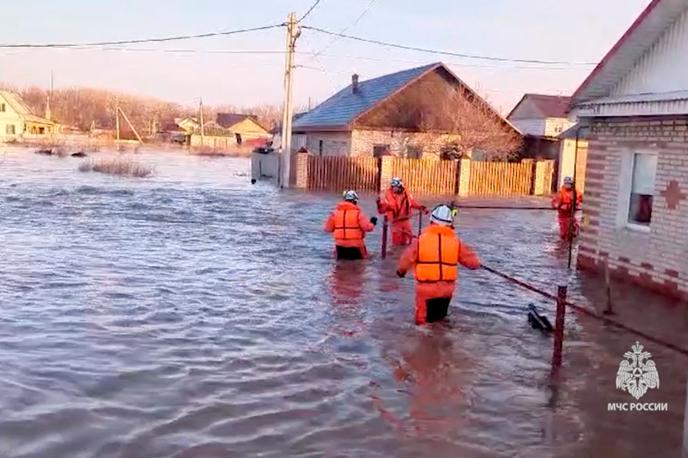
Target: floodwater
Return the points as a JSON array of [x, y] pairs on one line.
[[192, 314]]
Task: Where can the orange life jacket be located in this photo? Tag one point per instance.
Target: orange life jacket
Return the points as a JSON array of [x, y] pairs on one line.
[[346, 223], [400, 204], [438, 254], [564, 200]]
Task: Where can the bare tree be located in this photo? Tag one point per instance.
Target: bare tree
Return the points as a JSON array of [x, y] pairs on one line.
[[477, 127], [438, 109]]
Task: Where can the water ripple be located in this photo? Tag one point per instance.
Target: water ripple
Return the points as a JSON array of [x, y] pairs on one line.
[[193, 314]]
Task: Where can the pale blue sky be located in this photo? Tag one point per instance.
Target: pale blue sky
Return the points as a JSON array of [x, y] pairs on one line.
[[570, 30]]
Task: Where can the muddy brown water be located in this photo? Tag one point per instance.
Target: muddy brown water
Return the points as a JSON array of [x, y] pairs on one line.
[[192, 314]]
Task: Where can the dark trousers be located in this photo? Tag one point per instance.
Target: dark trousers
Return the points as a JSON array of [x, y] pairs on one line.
[[437, 309], [349, 253]]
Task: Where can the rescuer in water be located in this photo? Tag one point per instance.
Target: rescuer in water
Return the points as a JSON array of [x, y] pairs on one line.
[[348, 224], [398, 205], [436, 255], [562, 201]]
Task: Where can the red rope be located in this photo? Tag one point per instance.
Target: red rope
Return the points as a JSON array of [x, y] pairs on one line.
[[589, 312]]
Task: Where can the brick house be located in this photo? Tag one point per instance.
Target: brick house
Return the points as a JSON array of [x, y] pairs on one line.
[[400, 114], [635, 104]]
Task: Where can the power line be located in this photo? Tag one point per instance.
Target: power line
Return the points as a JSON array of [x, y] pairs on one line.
[[457, 64], [171, 50], [312, 54], [445, 53], [353, 24], [310, 10], [140, 40]]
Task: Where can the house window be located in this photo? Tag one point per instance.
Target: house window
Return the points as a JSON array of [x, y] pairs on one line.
[[414, 152], [9, 129], [41, 130], [320, 147], [380, 150], [2, 107], [642, 189], [238, 138]]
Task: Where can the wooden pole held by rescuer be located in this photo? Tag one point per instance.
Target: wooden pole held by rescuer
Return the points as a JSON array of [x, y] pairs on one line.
[[384, 237], [559, 328], [610, 309]]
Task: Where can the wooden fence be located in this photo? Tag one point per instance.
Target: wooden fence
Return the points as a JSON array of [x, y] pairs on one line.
[[424, 176], [340, 172], [500, 178], [465, 178]]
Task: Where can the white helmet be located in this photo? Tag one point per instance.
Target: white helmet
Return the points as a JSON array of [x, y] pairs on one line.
[[442, 215], [396, 183], [568, 181], [350, 195]]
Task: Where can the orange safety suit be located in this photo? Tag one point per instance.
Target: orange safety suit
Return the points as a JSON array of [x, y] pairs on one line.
[[398, 208], [348, 224], [436, 255], [562, 201]]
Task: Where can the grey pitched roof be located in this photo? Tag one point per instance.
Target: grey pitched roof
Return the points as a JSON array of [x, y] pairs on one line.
[[343, 107]]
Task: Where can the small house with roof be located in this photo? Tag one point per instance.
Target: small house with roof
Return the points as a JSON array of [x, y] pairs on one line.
[[539, 115], [634, 105], [543, 119], [17, 122], [243, 127], [411, 113]]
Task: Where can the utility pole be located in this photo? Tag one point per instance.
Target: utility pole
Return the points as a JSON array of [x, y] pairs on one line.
[[48, 111], [200, 117], [293, 32], [117, 118]]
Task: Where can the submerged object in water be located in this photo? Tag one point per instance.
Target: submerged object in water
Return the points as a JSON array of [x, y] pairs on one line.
[[79, 154], [47, 152], [537, 321]]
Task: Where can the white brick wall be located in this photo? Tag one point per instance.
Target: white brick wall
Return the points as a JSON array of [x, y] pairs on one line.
[[333, 143], [363, 141], [660, 255]]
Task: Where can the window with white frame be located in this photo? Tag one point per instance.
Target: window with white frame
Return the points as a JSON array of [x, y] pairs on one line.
[[642, 189]]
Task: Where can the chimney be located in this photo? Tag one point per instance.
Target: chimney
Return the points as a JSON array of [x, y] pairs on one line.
[[354, 83]]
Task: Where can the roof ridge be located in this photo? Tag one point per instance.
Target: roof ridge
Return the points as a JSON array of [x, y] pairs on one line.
[[413, 69]]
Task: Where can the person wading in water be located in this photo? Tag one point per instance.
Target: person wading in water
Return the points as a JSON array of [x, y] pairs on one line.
[[435, 256], [398, 204], [348, 225], [562, 201]]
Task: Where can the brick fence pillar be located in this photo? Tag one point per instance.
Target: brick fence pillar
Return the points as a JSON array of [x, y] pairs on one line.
[[385, 172], [464, 177], [543, 178], [302, 170]]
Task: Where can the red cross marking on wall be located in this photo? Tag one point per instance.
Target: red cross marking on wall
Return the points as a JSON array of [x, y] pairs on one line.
[[673, 195]]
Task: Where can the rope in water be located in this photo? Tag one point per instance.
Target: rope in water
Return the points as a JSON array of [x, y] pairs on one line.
[[588, 312], [499, 207]]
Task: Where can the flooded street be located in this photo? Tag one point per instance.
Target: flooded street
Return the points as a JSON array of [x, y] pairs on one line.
[[192, 314]]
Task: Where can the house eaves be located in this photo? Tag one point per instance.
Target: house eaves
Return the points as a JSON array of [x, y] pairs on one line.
[[639, 37]]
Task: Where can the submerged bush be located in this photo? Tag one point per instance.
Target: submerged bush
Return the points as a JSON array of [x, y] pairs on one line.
[[117, 166]]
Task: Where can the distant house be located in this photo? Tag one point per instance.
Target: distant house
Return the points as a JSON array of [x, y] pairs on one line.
[[243, 127], [541, 115], [410, 113], [17, 122], [542, 119], [635, 104], [188, 124]]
